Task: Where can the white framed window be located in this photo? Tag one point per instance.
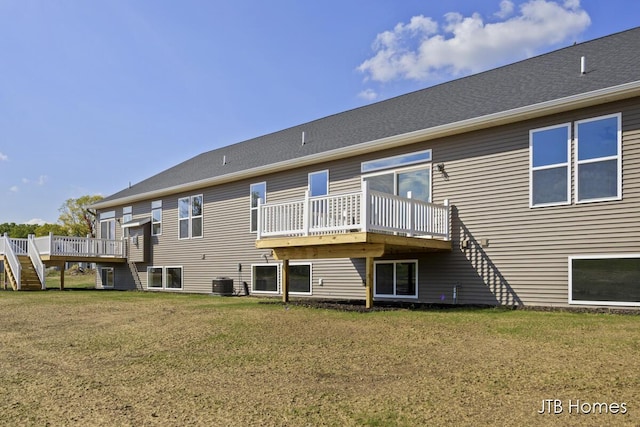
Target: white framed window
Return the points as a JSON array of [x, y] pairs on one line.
[[401, 160], [107, 277], [612, 279], [127, 215], [156, 218], [319, 183], [400, 182], [169, 277], [108, 225], [265, 278], [549, 175], [258, 192], [396, 279], [190, 217], [300, 278], [598, 170], [154, 278]]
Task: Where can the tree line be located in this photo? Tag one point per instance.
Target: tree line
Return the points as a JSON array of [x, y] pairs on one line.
[[76, 219]]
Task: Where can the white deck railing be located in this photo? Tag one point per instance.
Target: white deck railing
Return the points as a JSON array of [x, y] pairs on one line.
[[6, 249], [366, 210], [79, 246], [34, 255]]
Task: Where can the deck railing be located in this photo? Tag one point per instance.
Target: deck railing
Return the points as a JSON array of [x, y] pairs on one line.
[[34, 255], [79, 246], [7, 249], [365, 210]]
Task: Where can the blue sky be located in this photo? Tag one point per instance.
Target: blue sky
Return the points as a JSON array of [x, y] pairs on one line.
[[94, 95]]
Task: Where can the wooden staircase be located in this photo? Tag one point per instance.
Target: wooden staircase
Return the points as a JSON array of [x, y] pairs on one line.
[[28, 277]]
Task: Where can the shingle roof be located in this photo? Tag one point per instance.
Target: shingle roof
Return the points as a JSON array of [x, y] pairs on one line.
[[610, 61]]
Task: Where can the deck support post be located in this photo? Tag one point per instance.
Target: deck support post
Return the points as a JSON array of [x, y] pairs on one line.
[[62, 276], [285, 280], [369, 281]]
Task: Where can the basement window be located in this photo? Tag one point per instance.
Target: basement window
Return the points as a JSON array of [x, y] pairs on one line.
[[397, 279], [300, 279], [604, 280], [264, 278], [107, 277]]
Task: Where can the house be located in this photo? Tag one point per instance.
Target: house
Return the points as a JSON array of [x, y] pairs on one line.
[[517, 186]]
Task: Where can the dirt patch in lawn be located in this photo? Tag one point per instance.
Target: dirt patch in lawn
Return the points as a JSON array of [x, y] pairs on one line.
[[133, 358]]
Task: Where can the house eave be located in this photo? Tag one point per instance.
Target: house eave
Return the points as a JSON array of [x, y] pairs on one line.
[[600, 96]]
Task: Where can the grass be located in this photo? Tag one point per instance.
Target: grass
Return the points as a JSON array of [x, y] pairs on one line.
[[133, 358]]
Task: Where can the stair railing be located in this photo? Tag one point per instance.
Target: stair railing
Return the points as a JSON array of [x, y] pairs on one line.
[[32, 249], [16, 268]]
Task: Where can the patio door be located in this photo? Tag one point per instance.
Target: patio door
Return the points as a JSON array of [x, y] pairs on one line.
[[400, 182]]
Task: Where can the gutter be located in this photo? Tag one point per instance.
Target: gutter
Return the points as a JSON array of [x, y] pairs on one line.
[[600, 96]]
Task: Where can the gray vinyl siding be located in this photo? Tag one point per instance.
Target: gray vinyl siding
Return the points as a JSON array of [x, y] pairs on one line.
[[487, 183]]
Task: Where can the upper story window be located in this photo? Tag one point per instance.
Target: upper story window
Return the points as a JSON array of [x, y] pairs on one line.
[[392, 176], [549, 158], [597, 173], [156, 218], [396, 161], [258, 193], [319, 183], [127, 216], [108, 225], [190, 217], [599, 159]]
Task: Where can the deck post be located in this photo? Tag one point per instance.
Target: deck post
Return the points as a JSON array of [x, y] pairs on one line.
[[285, 280], [447, 219], [306, 214], [365, 208], [369, 281], [411, 224], [62, 276], [259, 219]]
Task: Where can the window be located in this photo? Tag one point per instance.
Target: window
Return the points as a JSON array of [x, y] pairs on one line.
[[319, 183], [401, 182], [126, 217], [598, 159], [396, 279], [549, 151], [173, 277], [154, 277], [190, 217], [396, 161], [164, 277], [156, 218], [108, 225], [258, 193], [106, 277], [605, 279], [264, 278], [300, 278]]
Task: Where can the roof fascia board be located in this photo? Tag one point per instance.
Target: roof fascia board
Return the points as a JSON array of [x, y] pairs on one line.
[[582, 100]]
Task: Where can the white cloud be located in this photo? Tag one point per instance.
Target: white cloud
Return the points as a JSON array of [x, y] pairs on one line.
[[42, 179], [25, 180], [3, 157], [506, 9], [423, 49], [368, 94], [14, 189], [36, 221]]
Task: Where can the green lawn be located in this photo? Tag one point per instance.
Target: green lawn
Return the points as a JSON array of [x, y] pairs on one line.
[[133, 358]]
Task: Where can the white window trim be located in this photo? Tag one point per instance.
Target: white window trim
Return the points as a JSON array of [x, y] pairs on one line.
[[164, 287], [566, 164], [395, 295], [102, 279], [164, 278], [403, 169], [310, 278], [154, 288], [600, 303], [617, 157], [278, 277], [317, 173], [190, 218], [251, 208], [156, 205], [401, 165]]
